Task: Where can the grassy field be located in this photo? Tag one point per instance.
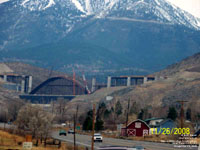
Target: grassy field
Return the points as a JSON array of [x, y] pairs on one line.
[[10, 141], [7, 139]]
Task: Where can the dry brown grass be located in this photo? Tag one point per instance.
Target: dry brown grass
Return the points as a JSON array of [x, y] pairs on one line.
[[156, 138], [13, 142], [7, 139]]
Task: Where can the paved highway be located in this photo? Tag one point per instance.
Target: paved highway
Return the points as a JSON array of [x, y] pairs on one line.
[[86, 141]]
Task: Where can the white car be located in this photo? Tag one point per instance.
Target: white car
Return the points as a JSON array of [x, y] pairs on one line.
[[98, 137], [63, 124], [70, 131]]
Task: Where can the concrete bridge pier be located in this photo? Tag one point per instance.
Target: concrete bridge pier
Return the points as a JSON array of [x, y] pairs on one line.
[[5, 78], [129, 81], [156, 78], [145, 80], [109, 82], [93, 84], [18, 88], [30, 81], [22, 86]]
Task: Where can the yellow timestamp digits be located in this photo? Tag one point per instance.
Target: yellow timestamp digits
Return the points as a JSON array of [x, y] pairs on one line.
[[168, 131]]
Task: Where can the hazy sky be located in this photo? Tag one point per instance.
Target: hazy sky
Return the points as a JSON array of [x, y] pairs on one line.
[[1, 1], [192, 6]]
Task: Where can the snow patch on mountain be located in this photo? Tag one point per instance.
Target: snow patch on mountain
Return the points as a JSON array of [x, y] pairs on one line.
[[24, 2], [152, 10], [34, 5], [198, 22], [164, 14], [78, 5], [88, 7], [51, 2], [157, 2], [111, 4]]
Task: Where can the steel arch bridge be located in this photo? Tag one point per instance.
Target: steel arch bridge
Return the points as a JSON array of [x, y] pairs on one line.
[[61, 85]]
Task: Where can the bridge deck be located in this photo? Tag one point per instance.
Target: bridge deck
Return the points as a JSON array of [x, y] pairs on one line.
[[45, 99]]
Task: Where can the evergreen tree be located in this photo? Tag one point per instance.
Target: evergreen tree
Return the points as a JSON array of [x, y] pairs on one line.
[[172, 114], [101, 109], [102, 105], [118, 108], [87, 125], [134, 108], [106, 114], [188, 114], [141, 114], [99, 124]]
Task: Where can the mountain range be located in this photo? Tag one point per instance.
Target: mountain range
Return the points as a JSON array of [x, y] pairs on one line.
[[101, 36]]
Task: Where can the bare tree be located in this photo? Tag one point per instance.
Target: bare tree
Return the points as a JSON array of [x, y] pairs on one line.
[[13, 109], [33, 119], [61, 109]]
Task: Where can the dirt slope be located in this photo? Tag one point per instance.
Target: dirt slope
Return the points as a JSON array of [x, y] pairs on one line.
[[182, 83]]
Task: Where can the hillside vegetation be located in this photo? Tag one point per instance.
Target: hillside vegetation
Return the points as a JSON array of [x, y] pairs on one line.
[[154, 98], [182, 82]]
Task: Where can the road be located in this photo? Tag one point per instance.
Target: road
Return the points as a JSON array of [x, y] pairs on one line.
[[85, 140]]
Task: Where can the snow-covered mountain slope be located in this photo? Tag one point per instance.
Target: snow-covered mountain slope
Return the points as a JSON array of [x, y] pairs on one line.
[[36, 27], [161, 11]]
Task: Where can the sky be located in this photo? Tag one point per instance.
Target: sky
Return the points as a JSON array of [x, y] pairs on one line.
[[192, 6], [1, 1]]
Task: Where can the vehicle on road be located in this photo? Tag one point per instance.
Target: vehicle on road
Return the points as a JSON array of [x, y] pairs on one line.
[[139, 147], [70, 131], [63, 124], [98, 137], [62, 132]]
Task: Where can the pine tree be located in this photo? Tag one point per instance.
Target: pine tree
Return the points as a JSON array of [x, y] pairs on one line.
[[87, 125], [99, 124], [188, 114], [141, 114], [172, 114], [118, 108]]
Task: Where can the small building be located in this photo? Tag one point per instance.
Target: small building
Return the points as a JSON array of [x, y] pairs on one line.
[[153, 122], [163, 126], [136, 128]]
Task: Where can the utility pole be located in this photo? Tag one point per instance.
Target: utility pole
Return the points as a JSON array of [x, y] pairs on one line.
[[127, 116], [74, 82], [182, 112], [93, 126], [75, 119]]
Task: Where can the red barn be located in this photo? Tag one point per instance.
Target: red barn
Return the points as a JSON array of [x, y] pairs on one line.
[[136, 128]]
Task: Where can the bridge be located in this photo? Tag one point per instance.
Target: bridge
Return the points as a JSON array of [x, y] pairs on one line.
[[128, 80], [20, 83], [60, 87], [64, 87]]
